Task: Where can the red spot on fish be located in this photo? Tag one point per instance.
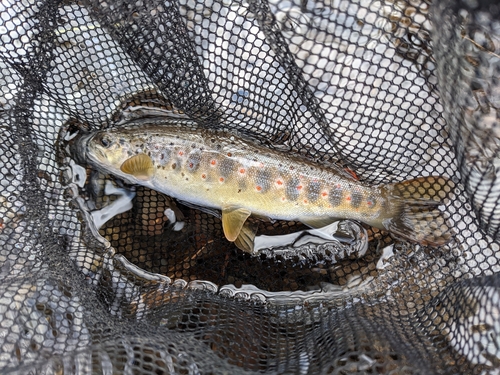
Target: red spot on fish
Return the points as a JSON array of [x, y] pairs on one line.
[[348, 198], [242, 170], [299, 187], [324, 194], [191, 165], [181, 153], [283, 199], [369, 203], [305, 201], [259, 188], [213, 161], [352, 173], [279, 182], [221, 179], [229, 154], [203, 176]]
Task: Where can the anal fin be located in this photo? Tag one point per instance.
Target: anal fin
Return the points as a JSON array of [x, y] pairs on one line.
[[233, 220], [245, 240]]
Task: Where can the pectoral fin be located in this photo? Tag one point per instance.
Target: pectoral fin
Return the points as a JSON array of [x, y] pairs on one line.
[[233, 220], [317, 222], [245, 240], [140, 166]]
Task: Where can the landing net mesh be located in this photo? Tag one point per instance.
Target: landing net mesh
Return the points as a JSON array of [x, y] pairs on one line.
[[390, 90]]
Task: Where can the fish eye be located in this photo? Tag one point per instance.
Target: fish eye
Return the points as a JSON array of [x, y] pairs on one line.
[[106, 141]]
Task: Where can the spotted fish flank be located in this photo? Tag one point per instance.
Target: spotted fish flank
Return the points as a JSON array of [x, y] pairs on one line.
[[163, 156], [371, 201], [335, 196], [263, 179], [221, 171], [356, 198], [291, 191], [313, 191], [227, 166], [193, 161]]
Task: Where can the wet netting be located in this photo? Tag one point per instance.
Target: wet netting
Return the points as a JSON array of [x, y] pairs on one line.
[[103, 274]]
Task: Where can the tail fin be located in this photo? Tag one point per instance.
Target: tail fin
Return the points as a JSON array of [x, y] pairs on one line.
[[415, 214]]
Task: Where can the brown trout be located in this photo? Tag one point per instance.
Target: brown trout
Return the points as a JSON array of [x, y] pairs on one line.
[[222, 171]]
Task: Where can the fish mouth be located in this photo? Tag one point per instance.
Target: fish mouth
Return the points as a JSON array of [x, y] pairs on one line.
[[90, 151], [79, 147]]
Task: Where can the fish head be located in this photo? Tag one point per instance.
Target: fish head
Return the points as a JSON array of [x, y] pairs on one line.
[[121, 152], [108, 150]]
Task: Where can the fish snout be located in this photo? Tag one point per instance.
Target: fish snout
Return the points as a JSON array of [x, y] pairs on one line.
[[78, 147]]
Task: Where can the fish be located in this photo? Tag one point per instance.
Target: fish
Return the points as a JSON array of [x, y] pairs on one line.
[[225, 172]]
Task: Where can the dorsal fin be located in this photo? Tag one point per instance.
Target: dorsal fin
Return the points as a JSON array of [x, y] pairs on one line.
[[140, 166]]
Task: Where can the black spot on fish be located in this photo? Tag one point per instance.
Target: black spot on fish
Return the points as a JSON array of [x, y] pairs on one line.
[[174, 165], [164, 156], [335, 196], [263, 179], [356, 199], [313, 191], [291, 191], [193, 161], [227, 167]]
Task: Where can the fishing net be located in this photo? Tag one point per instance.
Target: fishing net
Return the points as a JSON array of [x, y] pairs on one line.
[[101, 277]]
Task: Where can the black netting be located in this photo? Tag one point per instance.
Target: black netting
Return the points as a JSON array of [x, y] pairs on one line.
[[103, 276]]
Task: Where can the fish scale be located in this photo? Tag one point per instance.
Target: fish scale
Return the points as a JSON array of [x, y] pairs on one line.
[[218, 170]]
